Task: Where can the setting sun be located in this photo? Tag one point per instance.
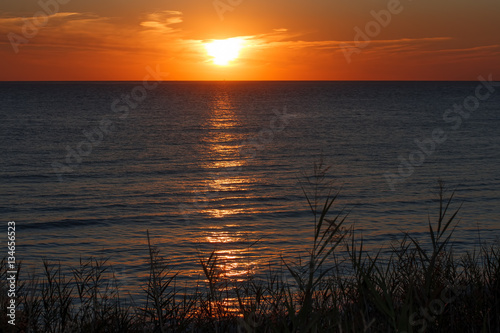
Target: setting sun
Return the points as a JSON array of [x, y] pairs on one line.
[[225, 50]]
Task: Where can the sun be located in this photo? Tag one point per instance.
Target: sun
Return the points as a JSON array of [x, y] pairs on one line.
[[224, 50]]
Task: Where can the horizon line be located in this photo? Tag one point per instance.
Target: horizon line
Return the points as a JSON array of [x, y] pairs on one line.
[[166, 81]]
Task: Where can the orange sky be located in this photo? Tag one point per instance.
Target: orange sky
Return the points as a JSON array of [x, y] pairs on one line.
[[283, 40]]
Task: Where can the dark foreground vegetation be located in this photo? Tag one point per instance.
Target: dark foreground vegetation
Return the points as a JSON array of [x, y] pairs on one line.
[[418, 286]]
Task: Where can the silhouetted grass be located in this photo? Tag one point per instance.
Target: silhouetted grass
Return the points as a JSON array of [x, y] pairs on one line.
[[339, 288]]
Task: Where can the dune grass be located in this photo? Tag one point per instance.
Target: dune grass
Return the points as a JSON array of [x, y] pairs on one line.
[[340, 287]]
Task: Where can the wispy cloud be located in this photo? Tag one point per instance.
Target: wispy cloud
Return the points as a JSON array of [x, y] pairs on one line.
[[162, 21], [426, 46], [87, 31]]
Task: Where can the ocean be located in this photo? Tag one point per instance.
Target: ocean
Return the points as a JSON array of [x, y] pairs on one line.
[[87, 168]]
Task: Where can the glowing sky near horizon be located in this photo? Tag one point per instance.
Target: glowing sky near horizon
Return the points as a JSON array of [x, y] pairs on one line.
[[284, 40]]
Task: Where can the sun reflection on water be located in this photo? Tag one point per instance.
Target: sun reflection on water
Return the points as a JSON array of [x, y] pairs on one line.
[[222, 158], [235, 261]]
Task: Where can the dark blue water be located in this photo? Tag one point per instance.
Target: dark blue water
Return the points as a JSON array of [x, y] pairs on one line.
[[86, 168]]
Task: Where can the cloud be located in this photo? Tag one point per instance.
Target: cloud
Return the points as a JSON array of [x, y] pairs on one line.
[[162, 21], [426, 46], [9, 22], [290, 41], [77, 32], [437, 49]]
